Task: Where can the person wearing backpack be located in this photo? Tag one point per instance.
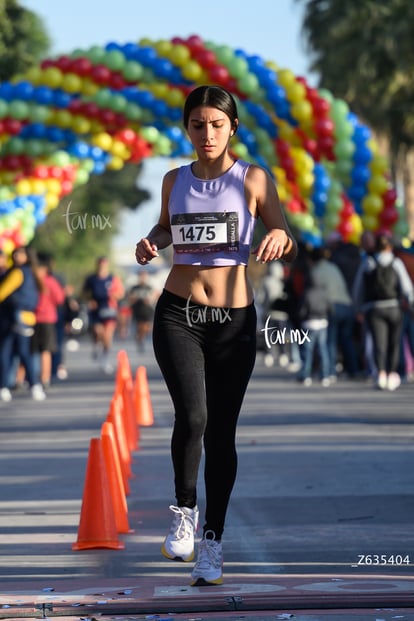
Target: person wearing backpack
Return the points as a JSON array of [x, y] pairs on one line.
[[381, 284]]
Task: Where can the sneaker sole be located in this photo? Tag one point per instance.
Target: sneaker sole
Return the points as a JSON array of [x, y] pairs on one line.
[[186, 559], [201, 582]]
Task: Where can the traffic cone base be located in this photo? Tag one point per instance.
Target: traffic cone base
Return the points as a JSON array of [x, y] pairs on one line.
[[97, 525]]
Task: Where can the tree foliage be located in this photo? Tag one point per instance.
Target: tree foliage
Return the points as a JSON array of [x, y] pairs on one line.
[[82, 226], [23, 39], [363, 52]]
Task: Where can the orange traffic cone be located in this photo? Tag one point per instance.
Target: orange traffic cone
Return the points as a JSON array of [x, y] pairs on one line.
[[116, 418], [116, 484], [124, 388], [143, 406], [97, 526], [131, 427]]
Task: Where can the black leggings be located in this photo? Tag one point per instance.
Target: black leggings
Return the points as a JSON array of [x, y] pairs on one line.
[[385, 324], [206, 355]]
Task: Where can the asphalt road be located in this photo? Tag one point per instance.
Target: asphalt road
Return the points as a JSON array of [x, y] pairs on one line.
[[325, 482]]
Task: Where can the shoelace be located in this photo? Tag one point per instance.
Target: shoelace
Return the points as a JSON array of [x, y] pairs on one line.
[[182, 526], [209, 553]]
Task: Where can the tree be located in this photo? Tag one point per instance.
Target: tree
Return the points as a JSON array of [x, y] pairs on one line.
[[23, 39], [82, 226], [363, 52]]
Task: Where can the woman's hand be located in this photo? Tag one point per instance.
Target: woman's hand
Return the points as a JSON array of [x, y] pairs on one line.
[[145, 251], [273, 246]]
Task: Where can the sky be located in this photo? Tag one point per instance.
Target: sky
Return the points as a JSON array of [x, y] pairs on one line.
[[270, 29]]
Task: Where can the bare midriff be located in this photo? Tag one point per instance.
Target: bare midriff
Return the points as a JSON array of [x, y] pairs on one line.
[[226, 287]]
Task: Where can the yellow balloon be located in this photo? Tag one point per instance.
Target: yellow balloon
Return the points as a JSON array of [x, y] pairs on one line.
[[34, 75], [80, 125], [285, 77], [377, 184], [118, 149], [369, 222], [175, 98], [116, 163], [38, 186], [302, 111], [52, 77], [88, 87], [372, 204], [72, 83], [62, 118], [53, 186], [163, 47], [103, 141], [180, 55], [23, 187], [296, 92], [52, 201], [192, 71], [159, 89]]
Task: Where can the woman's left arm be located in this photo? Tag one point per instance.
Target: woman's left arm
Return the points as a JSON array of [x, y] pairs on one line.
[[278, 243]]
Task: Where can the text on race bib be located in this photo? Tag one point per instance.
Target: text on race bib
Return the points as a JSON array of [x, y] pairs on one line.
[[205, 232]]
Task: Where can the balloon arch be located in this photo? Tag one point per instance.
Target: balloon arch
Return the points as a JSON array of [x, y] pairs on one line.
[[94, 110]]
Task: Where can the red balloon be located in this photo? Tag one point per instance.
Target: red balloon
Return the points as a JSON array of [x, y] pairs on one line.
[[389, 216], [194, 43], [294, 206], [82, 66], [101, 74], [41, 172], [389, 197], [45, 64], [107, 116], [219, 75], [12, 126], [206, 59], [127, 136], [320, 107], [76, 105], [117, 81], [64, 63], [91, 109], [324, 127]]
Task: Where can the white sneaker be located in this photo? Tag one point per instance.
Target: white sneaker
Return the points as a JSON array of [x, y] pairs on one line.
[[179, 543], [38, 394], [208, 569], [5, 395], [382, 380], [393, 381]]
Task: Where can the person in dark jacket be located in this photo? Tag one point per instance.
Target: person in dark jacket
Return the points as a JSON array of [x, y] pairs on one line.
[[19, 295]]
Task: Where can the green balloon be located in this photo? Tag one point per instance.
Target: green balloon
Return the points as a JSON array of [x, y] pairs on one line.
[[114, 59], [18, 109], [103, 97], [224, 54], [4, 109], [117, 103], [39, 114], [133, 112], [15, 146], [95, 54], [132, 71], [248, 84], [237, 67]]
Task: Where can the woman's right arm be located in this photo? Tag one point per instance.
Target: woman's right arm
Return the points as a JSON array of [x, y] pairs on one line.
[[160, 235]]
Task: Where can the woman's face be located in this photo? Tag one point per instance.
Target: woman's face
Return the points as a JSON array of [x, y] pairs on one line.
[[209, 130]]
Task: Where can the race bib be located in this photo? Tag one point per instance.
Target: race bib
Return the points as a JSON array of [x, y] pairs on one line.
[[205, 232]]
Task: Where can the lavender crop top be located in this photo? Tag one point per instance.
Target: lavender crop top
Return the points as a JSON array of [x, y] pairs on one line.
[[209, 218]]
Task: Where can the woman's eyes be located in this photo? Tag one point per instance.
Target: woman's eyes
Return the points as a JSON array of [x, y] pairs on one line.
[[201, 125]]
